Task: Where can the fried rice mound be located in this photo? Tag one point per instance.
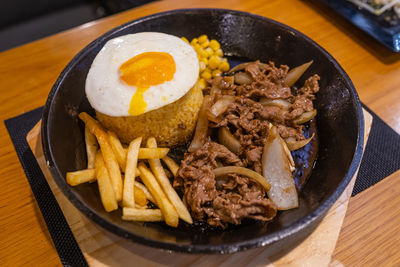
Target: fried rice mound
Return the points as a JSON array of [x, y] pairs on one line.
[[171, 125]]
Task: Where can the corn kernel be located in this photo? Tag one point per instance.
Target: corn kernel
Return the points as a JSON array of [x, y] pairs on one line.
[[206, 74], [202, 66], [215, 45], [219, 53], [205, 44], [213, 62], [216, 73], [204, 59], [184, 39], [224, 66], [196, 46], [202, 83], [202, 53], [194, 41], [203, 38], [209, 51]]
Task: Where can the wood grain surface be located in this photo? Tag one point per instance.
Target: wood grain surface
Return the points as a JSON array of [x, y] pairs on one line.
[[371, 231]]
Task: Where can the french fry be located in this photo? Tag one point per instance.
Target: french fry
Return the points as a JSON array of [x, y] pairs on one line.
[[137, 172], [91, 148], [80, 177], [158, 170], [140, 196], [168, 211], [148, 153], [172, 166], [107, 152], [107, 194], [145, 190], [151, 153], [144, 215], [119, 151], [128, 199]]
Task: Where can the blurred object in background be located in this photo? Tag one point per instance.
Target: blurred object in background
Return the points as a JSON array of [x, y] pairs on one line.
[[23, 21], [379, 7]]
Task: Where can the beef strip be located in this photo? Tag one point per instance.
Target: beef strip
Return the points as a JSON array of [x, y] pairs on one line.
[[268, 83], [228, 200], [244, 118]]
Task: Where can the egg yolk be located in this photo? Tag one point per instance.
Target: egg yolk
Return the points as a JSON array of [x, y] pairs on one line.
[[145, 70]]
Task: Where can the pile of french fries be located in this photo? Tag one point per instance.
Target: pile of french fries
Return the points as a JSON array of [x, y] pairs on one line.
[[115, 169]]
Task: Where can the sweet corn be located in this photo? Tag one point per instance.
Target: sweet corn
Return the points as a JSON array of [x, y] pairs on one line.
[[214, 45], [202, 65], [216, 73], [205, 44], [203, 38], [204, 59], [184, 39], [213, 62], [224, 66], [209, 51], [201, 52], [196, 46], [194, 41], [202, 83], [206, 74]]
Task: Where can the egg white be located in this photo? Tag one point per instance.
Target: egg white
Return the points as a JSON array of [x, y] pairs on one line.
[[108, 94]]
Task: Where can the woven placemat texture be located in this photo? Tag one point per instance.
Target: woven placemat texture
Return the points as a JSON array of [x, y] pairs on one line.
[[63, 239], [381, 156]]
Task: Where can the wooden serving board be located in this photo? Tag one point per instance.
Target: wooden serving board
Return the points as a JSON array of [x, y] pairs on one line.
[[102, 248]]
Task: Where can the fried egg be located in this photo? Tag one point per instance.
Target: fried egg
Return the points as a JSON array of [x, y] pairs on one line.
[[137, 73]]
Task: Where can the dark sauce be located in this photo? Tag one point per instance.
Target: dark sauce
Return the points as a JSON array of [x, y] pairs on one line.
[[305, 157]]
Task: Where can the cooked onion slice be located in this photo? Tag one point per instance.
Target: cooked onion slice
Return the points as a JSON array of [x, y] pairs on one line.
[[221, 171], [288, 155], [221, 105], [201, 131], [227, 139], [305, 117], [276, 169], [244, 65], [243, 78], [216, 86], [284, 104], [293, 144], [295, 73], [239, 67]]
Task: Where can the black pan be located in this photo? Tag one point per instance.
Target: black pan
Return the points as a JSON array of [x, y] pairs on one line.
[[340, 124]]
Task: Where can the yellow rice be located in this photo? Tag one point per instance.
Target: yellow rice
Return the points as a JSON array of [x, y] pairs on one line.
[[171, 125]]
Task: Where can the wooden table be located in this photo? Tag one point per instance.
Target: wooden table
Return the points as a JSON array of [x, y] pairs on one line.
[[371, 231]]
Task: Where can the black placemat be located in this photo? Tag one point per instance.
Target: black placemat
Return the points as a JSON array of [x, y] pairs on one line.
[[63, 239], [381, 155], [381, 158]]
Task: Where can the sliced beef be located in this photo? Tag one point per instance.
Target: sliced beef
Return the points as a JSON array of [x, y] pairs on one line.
[[228, 200], [248, 120], [235, 197], [268, 82], [247, 125]]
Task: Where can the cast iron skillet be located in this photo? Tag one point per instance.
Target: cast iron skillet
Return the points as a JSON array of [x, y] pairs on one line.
[[340, 124]]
